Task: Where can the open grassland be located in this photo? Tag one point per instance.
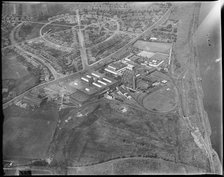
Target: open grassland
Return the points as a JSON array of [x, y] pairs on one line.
[[131, 166], [11, 68], [30, 30], [106, 134], [26, 133], [162, 100]]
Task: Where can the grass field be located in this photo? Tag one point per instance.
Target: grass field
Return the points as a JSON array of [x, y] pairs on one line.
[[27, 134], [30, 30], [107, 135], [26, 138], [25, 83], [14, 70], [11, 68], [153, 46], [162, 100]]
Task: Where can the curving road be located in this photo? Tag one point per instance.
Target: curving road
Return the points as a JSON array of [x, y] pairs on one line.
[[55, 74], [52, 43], [161, 20], [74, 27]]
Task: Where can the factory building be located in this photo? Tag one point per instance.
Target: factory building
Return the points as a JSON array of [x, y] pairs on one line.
[[32, 100], [118, 68], [93, 83]]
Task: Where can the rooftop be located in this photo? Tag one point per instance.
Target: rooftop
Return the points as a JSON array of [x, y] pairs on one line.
[[116, 66], [92, 82], [134, 57]]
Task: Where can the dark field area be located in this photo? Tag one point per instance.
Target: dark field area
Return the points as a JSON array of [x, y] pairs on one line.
[[15, 76], [108, 134], [11, 68], [27, 134], [30, 30], [162, 100]]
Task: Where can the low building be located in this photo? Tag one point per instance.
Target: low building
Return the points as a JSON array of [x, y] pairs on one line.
[[116, 68], [123, 92], [32, 101], [91, 84], [133, 57]]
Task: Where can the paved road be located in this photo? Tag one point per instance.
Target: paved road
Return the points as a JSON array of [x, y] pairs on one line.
[[17, 98], [55, 74], [39, 37], [162, 19], [82, 43], [52, 43]]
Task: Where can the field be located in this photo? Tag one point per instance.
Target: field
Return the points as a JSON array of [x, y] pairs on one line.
[[27, 134], [106, 134], [162, 100], [30, 30], [53, 28], [184, 13], [11, 68], [15, 75], [25, 83], [153, 46], [140, 166]]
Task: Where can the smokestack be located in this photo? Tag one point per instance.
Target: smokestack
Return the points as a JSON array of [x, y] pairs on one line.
[[134, 79], [134, 82]]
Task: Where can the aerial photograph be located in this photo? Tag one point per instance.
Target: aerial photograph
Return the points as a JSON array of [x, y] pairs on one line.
[[111, 88]]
